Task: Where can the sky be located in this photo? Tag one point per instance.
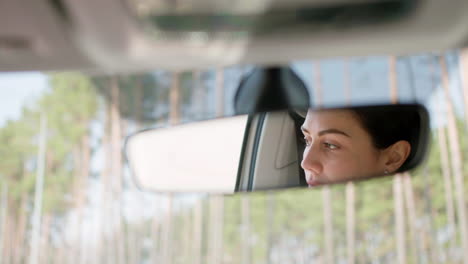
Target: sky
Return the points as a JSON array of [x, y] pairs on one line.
[[17, 90]]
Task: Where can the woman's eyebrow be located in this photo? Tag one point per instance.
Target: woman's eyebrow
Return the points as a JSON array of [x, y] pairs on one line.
[[332, 131], [326, 131]]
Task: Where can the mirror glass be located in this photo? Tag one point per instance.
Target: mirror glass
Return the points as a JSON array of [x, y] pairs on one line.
[[281, 149], [191, 157]]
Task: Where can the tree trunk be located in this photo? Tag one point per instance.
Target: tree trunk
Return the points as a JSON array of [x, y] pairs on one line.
[[38, 192], [326, 192], [155, 253], [393, 80], [431, 247], [446, 174], [187, 237], [217, 202], [220, 92], [3, 222], [197, 232], [9, 235], [75, 219], [174, 119], [81, 166], [167, 241], [457, 167], [174, 100], [138, 103], [415, 246], [20, 245], [8, 250], [317, 77], [463, 67], [105, 246], [328, 224], [116, 135], [398, 184], [216, 229], [347, 82], [82, 189], [350, 221], [71, 253], [199, 107], [44, 254], [139, 239], [133, 245], [116, 169], [350, 190], [60, 255], [246, 255], [270, 219], [399, 219]]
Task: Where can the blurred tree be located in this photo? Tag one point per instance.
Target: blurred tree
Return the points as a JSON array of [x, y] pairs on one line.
[[457, 166], [18, 151], [398, 181], [70, 105], [197, 232], [326, 193], [350, 190], [246, 232], [216, 202], [463, 69]]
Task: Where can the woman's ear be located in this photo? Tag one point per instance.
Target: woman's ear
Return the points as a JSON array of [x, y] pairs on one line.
[[396, 155]]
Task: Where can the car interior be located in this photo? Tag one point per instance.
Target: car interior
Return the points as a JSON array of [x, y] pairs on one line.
[[273, 149], [144, 110], [75, 35], [276, 159]]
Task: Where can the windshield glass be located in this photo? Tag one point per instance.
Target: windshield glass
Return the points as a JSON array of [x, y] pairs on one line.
[[68, 196]]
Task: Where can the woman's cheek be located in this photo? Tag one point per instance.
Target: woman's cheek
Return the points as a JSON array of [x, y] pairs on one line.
[[344, 167], [340, 168]]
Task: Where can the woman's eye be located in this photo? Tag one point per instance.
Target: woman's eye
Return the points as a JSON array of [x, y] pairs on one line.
[[307, 141], [330, 146]]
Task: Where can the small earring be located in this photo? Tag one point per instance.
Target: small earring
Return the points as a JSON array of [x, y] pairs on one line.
[[385, 171]]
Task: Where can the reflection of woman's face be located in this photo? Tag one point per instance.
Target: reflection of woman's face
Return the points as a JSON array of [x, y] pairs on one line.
[[338, 148]]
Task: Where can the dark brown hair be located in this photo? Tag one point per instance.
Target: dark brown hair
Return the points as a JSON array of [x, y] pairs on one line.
[[389, 124]]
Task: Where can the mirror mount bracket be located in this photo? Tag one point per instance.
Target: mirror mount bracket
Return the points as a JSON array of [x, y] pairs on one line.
[[269, 89]]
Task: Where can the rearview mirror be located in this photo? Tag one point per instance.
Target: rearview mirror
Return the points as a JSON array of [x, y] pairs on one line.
[[280, 149]]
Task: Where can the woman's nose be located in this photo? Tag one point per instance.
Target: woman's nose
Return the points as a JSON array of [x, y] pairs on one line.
[[311, 159]]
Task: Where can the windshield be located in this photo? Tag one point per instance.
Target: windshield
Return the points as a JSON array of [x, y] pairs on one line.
[[68, 196]]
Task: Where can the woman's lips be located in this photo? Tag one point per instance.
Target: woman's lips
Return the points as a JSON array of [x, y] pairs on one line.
[[313, 182]]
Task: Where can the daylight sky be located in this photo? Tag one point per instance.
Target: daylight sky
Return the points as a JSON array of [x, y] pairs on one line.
[[17, 90]]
